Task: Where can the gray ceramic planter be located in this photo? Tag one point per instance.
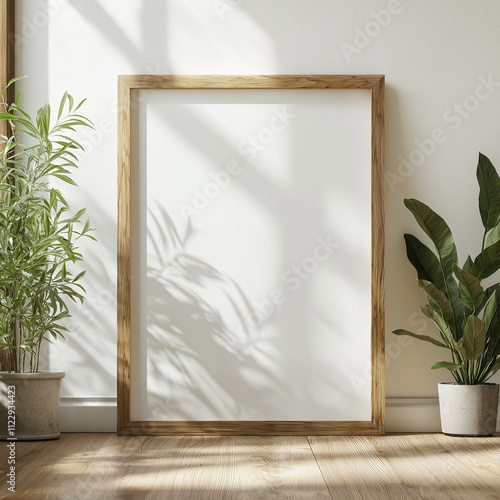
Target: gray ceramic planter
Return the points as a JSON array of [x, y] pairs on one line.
[[36, 405], [468, 410]]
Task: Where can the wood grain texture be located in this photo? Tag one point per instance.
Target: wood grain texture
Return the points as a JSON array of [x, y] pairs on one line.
[[7, 54], [105, 466], [249, 428], [126, 83], [251, 81], [431, 466], [7, 72], [123, 256], [378, 254]]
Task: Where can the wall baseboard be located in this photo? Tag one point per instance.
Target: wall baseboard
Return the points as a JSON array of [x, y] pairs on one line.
[[412, 415], [99, 415], [87, 414]]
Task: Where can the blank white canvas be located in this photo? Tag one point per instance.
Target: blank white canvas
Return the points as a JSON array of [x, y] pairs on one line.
[[251, 254]]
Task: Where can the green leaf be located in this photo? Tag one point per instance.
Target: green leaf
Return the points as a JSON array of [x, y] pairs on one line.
[[474, 338], [79, 276], [446, 364], [437, 299], [467, 265], [487, 262], [425, 338], [470, 289], [492, 309], [65, 178], [488, 293], [424, 261], [79, 214], [43, 120], [493, 236], [458, 306], [459, 347], [441, 324], [61, 106], [15, 80], [438, 231], [80, 104], [494, 368], [489, 192], [491, 321]]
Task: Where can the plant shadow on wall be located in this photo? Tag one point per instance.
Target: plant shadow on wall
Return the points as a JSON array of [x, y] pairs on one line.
[[190, 338], [297, 352], [139, 57]]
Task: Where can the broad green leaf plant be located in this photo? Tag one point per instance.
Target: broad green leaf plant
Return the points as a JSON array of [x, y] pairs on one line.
[[466, 314], [38, 231]]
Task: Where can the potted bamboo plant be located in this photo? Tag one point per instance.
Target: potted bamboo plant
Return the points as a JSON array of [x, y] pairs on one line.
[[466, 314], [39, 257]]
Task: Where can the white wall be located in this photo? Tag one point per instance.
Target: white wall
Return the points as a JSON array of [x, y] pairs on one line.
[[434, 55]]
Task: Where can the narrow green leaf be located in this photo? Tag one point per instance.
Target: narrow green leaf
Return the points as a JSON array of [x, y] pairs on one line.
[[493, 236], [491, 321], [79, 214], [458, 306], [474, 338], [494, 368], [470, 289], [425, 338], [489, 192], [459, 347], [79, 276], [65, 178], [446, 364], [487, 262], [488, 293], [61, 105], [437, 299], [439, 321], [424, 261], [492, 309], [80, 104], [467, 265], [438, 231], [11, 81]]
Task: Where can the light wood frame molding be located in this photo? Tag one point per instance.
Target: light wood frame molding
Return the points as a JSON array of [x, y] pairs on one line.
[[7, 53], [7, 69], [375, 426]]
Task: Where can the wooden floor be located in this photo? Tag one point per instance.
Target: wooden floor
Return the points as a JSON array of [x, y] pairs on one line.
[[105, 466]]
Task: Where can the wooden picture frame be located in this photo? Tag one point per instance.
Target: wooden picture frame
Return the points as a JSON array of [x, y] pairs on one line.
[[374, 426]]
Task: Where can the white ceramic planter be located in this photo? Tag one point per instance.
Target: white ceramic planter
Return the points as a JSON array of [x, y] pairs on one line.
[[468, 410], [36, 402]]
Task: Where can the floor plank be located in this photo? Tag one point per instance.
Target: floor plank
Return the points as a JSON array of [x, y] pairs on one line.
[[431, 466], [105, 466], [240, 467]]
